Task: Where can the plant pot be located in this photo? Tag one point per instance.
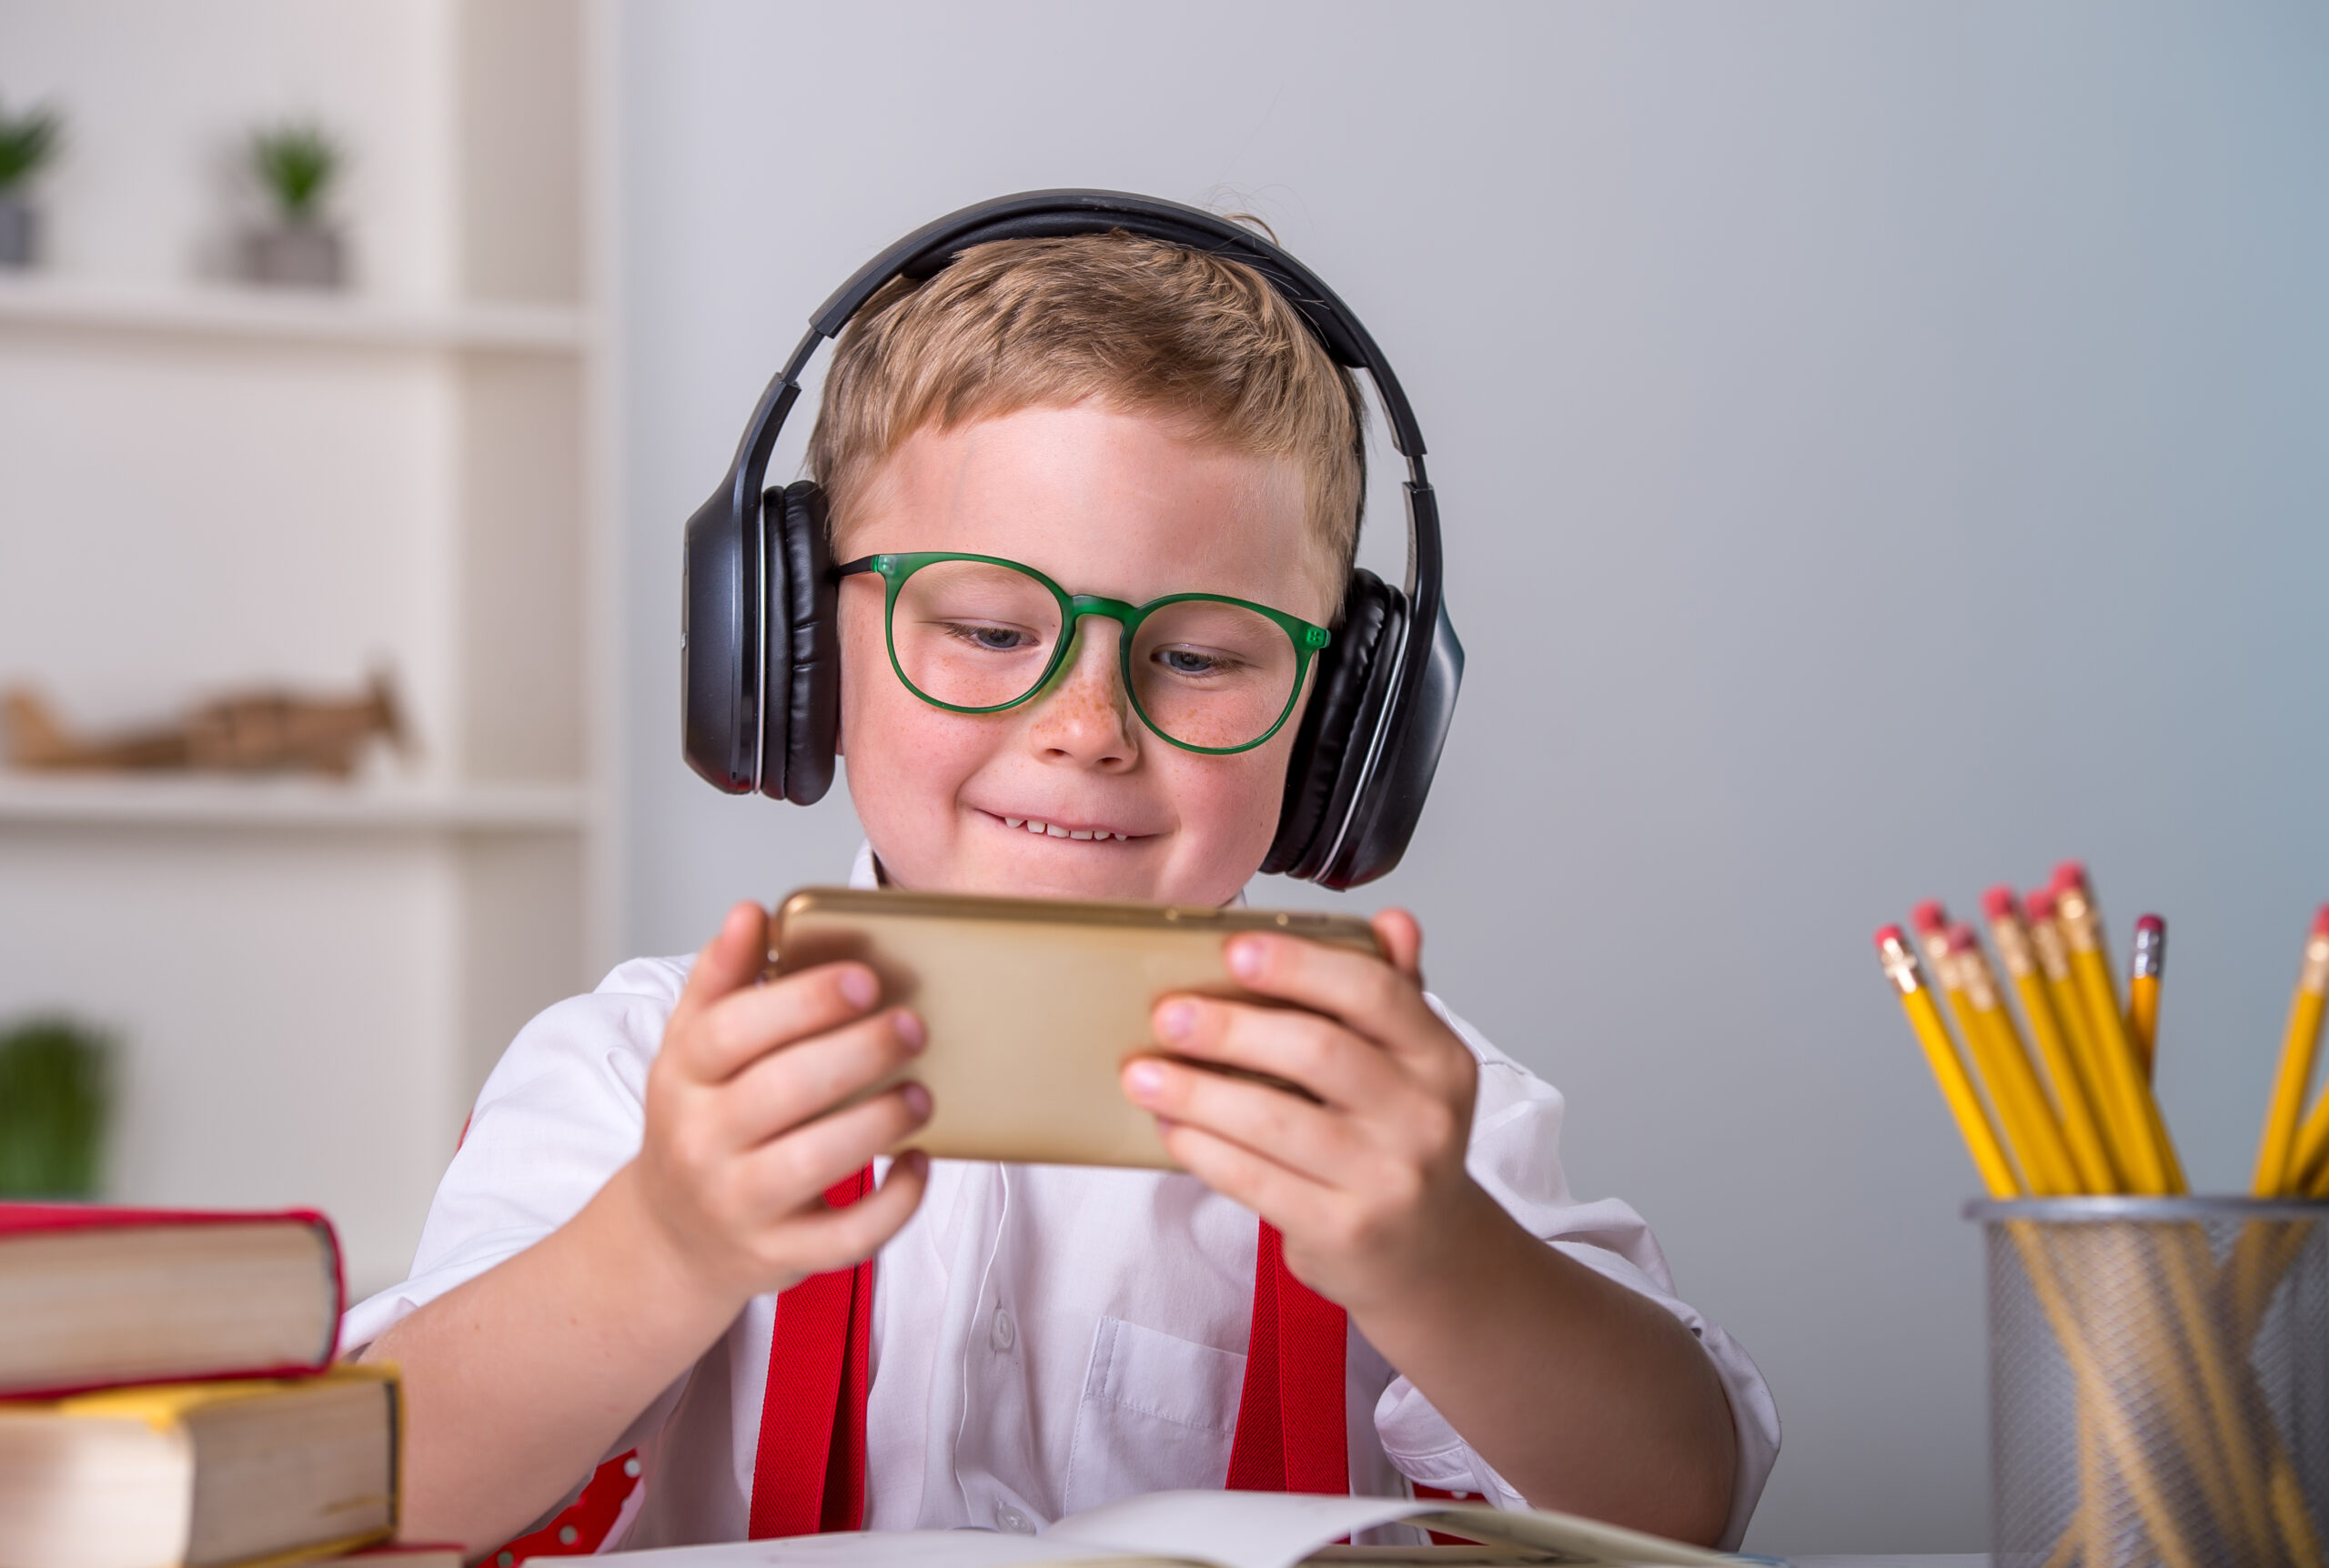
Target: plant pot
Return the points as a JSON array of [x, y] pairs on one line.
[[19, 231], [297, 254]]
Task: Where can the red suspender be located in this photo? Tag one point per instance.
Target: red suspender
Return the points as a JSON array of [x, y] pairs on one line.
[[809, 1471], [1290, 1428], [809, 1474]]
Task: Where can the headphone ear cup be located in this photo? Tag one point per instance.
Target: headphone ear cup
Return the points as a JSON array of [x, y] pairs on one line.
[[1330, 746], [720, 659], [803, 651]]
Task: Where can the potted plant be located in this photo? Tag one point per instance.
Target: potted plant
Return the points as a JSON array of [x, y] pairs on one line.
[[56, 1092], [296, 164], [28, 142]]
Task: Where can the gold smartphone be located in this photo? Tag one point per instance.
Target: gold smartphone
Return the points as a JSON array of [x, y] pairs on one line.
[[1032, 1005]]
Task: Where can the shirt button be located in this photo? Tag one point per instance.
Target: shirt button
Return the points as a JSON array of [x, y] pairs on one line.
[[1004, 1333], [1011, 1518]]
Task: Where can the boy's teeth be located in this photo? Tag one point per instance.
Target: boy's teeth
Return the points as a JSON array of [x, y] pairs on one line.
[[1046, 829]]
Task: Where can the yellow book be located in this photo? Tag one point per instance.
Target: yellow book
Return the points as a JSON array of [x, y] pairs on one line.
[[201, 1475]]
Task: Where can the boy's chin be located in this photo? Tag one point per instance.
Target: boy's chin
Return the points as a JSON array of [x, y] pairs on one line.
[[1072, 870], [1141, 870]]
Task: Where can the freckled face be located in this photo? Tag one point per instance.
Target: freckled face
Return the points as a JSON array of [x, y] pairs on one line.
[[1117, 505]]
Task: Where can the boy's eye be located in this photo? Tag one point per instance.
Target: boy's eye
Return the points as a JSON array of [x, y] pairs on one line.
[[989, 637], [1196, 661]]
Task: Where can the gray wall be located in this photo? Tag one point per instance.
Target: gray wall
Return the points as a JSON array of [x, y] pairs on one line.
[[1883, 448]]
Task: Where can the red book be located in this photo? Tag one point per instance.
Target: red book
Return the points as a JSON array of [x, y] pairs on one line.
[[94, 1297]]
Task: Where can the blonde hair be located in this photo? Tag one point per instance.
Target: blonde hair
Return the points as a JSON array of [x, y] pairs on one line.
[[1135, 325]]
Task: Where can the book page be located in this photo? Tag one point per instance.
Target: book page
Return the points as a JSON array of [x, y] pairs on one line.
[[1220, 1528], [1278, 1530], [890, 1549]]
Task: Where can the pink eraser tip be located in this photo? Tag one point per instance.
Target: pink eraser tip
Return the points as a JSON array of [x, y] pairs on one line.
[[2039, 903], [2151, 923], [1929, 917], [2071, 874], [1962, 937], [2321, 921], [1885, 936], [1998, 903]]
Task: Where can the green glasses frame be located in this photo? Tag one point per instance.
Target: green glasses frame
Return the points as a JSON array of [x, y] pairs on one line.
[[894, 569]]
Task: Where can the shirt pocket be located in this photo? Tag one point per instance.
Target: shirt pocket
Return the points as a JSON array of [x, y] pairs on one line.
[[1158, 1415]]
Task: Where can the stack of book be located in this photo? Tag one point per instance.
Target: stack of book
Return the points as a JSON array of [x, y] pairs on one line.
[[167, 1398]]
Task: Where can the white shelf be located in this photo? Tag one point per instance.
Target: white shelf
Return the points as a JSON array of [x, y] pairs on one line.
[[290, 316], [200, 802]]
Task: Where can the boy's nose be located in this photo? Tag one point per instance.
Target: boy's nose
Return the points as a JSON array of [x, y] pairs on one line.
[[1084, 716]]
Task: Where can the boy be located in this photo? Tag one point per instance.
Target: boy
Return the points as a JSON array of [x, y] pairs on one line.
[[646, 1169]]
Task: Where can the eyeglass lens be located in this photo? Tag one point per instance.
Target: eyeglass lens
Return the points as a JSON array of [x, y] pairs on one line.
[[972, 634]]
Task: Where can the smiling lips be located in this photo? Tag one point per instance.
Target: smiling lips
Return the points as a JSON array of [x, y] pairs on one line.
[[1054, 831]]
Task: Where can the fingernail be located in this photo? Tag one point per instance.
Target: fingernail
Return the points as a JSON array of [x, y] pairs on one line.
[[1176, 1018], [1246, 959], [858, 987], [910, 1029], [917, 1100], [1145, 1079]]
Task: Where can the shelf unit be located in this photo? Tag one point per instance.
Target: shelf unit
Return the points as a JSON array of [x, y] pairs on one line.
[[258, 804], [223, 312], [210, 485]]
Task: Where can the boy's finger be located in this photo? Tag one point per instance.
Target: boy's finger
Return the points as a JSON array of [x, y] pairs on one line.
[[1402, 940], [786, 1088], [1305, 1138], [1291, 1202], [734, 958], [789, 1171], [732, 1031], [1365, 992], [1300, 1046], [840, 1238]]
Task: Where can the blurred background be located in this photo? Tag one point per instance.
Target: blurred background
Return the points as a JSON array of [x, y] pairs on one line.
[[1881, 447]]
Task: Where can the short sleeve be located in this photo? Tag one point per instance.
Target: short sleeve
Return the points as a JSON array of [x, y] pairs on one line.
[[562, 1112], [1515, 1155]]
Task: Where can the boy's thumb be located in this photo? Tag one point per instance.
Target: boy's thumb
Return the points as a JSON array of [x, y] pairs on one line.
[[734, 956]]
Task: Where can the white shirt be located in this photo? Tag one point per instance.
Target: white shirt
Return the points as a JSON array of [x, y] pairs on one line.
[[1045, 1338]]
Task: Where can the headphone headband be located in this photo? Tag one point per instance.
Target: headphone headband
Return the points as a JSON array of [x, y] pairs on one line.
[[1414, 686]]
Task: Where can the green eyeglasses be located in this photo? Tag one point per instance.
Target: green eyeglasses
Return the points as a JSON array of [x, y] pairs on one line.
[[978, 634]]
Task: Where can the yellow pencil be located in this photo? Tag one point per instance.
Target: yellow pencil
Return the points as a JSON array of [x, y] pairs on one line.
[[1948, 1067], [2074, 1093], [2147, 1153], [2143, 976], [2054, 964], [2286, 1160], [2030, 1122]]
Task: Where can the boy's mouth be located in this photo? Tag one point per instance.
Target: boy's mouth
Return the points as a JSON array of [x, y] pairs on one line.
[[1081, 832]]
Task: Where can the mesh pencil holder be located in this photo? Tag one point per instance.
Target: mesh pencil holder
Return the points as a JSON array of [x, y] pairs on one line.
[[2159, 1381]]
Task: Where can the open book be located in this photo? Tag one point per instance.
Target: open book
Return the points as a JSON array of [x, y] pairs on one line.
[[1214, 1529]]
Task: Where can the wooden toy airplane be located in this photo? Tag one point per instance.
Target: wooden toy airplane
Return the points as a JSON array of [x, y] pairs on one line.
[[264, 730]]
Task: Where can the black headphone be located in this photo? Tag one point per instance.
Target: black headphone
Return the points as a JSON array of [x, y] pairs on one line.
[[760, 689]]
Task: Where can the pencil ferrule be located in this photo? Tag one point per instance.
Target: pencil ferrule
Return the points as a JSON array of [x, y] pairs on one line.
[[2013, 947], [2053, 957], [2314, 976], [1900, 968], [2151, 953]]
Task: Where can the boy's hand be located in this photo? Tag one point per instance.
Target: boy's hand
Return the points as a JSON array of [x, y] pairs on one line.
[[1367, 1187], [743, 1137]]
